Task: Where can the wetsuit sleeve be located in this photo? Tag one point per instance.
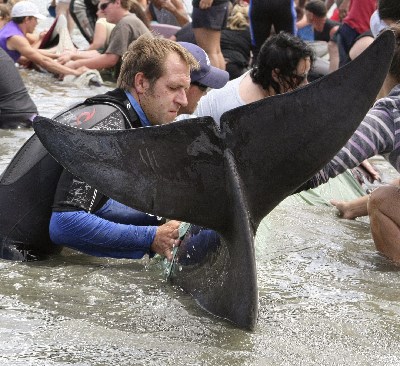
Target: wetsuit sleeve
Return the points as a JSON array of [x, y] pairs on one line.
[[96, 236]]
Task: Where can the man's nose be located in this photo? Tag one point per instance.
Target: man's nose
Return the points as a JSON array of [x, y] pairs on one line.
[[181, 98]]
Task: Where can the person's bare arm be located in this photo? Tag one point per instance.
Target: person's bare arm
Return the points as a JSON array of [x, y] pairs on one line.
[[77, 55], [99, 37], [103, 61], [177, 8], [22, 45]]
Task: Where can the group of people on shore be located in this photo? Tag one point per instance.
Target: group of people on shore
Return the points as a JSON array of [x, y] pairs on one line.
[[160, 79]]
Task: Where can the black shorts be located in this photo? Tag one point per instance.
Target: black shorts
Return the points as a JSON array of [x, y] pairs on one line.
[[214, 17]]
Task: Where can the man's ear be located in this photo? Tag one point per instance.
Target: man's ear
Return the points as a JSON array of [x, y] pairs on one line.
[[141, 83]]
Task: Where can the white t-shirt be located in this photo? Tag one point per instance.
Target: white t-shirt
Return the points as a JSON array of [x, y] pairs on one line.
[[218, 101]]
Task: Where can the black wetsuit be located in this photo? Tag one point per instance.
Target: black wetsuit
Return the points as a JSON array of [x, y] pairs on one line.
[[86, 220]]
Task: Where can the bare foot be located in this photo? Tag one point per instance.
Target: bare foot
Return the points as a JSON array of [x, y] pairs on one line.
[[345, 210]]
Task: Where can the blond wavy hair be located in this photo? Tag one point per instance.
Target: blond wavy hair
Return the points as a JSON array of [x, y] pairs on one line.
[[238, 18], [147, 55]]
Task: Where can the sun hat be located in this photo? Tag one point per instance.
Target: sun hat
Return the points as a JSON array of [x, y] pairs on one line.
[[207, 75], [26, 9]]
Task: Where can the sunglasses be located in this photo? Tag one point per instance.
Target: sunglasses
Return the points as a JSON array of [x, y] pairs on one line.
[[202, 87], [103, 6]]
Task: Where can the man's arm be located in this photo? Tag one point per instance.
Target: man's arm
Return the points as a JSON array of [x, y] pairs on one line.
[[93, 235], [104, 61], [177, 8], [76, 55], [21, 44]]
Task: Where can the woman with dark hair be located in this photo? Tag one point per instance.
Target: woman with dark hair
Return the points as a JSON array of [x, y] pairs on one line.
[[282, 65]]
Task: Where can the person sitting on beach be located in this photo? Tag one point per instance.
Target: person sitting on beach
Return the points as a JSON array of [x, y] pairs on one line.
[[155, 75], [377, 134], [103, 29], [102, 33], [128, 27], [13, 40], [283, 65], [324, 29]]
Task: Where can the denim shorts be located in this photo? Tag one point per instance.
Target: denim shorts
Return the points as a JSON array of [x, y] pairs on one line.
[[214, 17]]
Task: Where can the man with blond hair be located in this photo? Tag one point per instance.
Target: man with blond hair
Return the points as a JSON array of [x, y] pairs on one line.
[[155, 75]]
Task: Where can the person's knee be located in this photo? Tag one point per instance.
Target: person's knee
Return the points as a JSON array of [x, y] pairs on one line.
[[60, 227], [385, 200]]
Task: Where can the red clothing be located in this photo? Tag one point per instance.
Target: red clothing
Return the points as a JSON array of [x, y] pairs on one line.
[[359, 14], [335, 15]]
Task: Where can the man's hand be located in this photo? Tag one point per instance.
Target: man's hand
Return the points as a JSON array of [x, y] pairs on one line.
[[80, 70], [167, 237], [65, 57]]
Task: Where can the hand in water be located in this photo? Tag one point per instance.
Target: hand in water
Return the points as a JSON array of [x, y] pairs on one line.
[[81, 70], [166, 239]]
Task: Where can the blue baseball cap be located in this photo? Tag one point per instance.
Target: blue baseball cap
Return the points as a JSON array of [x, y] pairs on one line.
[[208, 75]]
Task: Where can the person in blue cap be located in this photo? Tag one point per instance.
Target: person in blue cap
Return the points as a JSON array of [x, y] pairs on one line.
[[205, 78]]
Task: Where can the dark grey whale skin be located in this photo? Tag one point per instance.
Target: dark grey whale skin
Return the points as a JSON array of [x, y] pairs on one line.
[[226, 179]]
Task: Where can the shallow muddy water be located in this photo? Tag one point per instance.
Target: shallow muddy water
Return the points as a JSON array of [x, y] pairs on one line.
[[326, 296]]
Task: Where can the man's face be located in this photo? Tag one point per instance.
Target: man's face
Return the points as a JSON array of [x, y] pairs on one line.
[[31, 24], [298, 78], [108, 9], [162, 100]]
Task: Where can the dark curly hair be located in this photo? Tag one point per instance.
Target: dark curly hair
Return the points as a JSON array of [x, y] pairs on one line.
[[281, 51], [389, 9]]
